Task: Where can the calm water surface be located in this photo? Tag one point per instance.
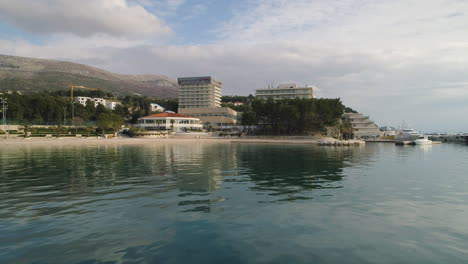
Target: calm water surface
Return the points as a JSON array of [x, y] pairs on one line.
[[234, 203]]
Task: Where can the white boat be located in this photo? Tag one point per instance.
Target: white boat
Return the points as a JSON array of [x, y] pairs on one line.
[[423, 141], [407, 134]]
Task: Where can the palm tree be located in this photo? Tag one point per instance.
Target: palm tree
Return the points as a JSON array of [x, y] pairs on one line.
[[159, 123], [172, 124], [26, 130]]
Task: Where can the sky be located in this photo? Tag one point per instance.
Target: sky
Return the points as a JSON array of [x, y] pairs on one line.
[[399, 61]]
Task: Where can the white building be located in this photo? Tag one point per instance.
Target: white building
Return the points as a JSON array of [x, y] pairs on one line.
[[199, 92], [83, 100], [286, 91], [112, 104], [170, 121], [156, 108], [363, 127]]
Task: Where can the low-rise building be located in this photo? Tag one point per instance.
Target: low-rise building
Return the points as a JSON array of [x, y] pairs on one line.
[[83, 100], [112, 104], [170, 121], [286, 91], [363, 127], [216, 117]]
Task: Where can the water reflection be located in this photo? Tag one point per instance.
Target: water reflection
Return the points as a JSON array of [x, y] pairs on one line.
[[292, 171], [194, 173], [232, 203]]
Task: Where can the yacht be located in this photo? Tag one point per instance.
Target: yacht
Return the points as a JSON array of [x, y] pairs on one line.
[[407, 134], [423, 140]]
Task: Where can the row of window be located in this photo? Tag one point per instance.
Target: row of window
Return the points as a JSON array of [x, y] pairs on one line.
[[163, 122], [215, 114], [288, 91]]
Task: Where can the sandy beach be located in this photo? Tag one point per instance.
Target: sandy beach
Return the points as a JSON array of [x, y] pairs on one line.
[[145, 141]]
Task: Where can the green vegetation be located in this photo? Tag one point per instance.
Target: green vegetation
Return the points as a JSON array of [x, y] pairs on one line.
[[109, 122], [228, 101], [293, 117], [45, 108]]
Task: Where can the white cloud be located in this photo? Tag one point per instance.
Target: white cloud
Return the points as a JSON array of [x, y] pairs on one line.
[[161, 7], [83, 18]]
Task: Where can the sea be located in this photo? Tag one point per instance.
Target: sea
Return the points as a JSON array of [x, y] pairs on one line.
[[234, 203]]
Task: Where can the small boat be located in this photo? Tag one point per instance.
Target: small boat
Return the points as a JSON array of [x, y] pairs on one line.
[[423, 141]]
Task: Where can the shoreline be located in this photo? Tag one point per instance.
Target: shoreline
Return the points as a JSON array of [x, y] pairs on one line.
[[144, 141]]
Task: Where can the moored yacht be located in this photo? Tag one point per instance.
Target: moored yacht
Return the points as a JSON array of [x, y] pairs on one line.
[[407, 134], [423, 140]]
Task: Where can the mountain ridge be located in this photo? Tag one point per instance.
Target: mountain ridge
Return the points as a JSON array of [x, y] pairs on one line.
[[33, 74]]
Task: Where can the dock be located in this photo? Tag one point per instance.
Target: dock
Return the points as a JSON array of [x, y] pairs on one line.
[[404, 142]]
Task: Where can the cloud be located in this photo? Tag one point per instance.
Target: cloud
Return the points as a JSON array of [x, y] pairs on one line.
[[83, 18], [161, 7]]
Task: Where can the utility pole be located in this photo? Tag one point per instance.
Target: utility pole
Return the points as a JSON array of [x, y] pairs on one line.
[[73, 113], [65, 116]]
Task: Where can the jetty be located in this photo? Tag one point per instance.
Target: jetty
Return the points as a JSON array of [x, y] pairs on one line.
[[404, 142]]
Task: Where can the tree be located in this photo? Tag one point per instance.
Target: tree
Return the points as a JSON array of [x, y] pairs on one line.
[[26, 130], [89, 130], [248, 118], [90, 110], [60, 129], [109, 122], [172, 124], [101, 109], [346, 130]]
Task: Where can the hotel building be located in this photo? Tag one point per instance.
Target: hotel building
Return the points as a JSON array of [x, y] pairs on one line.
[[200, 97], [199, 92], [286, 91]]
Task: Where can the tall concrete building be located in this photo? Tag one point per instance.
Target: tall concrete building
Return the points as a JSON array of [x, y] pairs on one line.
[[285, 91], [200, 97], [199, 92]]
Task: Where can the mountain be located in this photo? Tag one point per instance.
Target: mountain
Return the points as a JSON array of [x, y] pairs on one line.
[[30, 74]]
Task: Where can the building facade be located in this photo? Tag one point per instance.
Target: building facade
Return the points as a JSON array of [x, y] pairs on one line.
[[285, 91], [199, 92], [216, 117], [112, 104], [83, 100], [363, 127], [170, 121]]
